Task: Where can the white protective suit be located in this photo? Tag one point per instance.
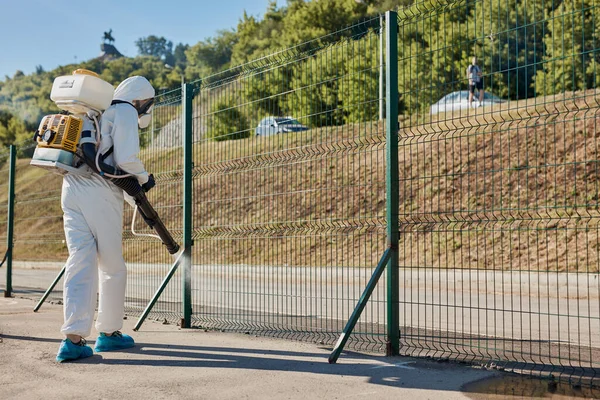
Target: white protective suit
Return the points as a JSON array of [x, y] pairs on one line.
[[93, 221]]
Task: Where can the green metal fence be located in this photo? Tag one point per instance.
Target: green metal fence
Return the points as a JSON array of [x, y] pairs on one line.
[[285, 185], [499, 201], [39, 248], [289, 191], [5, 192], [147, 260]]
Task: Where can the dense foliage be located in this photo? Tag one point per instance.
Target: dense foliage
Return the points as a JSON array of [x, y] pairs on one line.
[[227, 123]]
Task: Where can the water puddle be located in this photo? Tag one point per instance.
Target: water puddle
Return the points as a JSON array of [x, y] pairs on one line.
[[522, 387]]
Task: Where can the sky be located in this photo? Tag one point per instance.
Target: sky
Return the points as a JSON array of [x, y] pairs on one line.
[[51, 33]]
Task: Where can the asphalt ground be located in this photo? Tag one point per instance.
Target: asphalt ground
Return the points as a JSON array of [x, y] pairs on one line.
[[169, 362]]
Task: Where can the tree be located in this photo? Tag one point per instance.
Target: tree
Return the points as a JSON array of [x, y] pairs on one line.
[[509, 46], [13, 129], [150, 67], [435, 50], [263, 91], [227, 122], [571, 41], [259, 38], [210, 56], [360, 85], [156, 47], [180, 59], [307, 20], [248, 43], [317, 96], [381, 6]]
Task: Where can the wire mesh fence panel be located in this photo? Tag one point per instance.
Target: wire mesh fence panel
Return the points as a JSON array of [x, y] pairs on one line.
[[39, 240], [499, 184], [289, 191], [148, 261], [4, 190]]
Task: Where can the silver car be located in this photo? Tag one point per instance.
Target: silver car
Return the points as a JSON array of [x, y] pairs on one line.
[[275, 125], [460, 101]]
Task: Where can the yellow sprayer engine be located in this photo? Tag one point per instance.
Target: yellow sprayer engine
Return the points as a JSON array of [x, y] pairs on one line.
[[59, 131], [83, 96]]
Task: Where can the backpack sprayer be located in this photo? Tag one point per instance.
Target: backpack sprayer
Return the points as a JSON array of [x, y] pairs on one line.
[[67, 142]]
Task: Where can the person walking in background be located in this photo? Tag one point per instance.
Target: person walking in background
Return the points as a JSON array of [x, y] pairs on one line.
[[475, 77]]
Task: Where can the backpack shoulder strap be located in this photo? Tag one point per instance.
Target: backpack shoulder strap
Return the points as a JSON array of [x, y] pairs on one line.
[[112, 103], [108, 152]]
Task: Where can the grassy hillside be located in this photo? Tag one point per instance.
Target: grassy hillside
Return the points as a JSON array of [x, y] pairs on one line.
[[509, 187], [38, 217]]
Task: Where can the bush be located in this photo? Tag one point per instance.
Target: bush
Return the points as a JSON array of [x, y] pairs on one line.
[[226, 122]]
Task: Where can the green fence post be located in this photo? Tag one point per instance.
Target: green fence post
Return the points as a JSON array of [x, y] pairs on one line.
[[50, 288], [381, 69], [362, 302], [188, 165], [158, 292], [392, 183], [10, 221]]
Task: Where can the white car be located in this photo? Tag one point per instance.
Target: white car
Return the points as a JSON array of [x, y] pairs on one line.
[[275, 125], [460, 101]]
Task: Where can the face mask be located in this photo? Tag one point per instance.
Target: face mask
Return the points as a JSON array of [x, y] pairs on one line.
[[144, 120], [143, 106]]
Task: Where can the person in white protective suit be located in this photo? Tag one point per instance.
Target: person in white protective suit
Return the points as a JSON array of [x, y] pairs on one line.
[[93, 223]]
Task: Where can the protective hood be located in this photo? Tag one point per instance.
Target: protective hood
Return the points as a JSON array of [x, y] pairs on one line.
[[134, 88]]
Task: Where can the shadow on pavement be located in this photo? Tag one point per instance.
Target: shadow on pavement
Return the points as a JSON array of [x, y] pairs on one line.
[[30, 338], [402, 372], [390, 371]]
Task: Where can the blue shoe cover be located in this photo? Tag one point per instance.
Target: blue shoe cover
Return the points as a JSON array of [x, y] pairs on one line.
[[69, 351], [116, 341]]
